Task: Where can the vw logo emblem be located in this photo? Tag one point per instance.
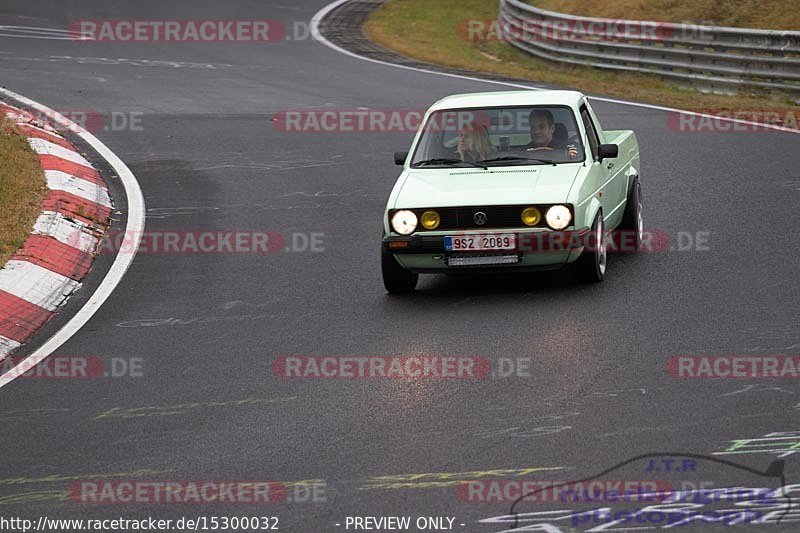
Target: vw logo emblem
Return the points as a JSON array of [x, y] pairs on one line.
[[479, 218]]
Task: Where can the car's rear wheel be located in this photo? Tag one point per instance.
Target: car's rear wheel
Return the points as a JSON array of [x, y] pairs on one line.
[[396, 279], [591, 265], [632, 221]]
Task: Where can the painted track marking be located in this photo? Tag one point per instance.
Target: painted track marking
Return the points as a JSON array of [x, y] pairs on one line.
[[135, 226]]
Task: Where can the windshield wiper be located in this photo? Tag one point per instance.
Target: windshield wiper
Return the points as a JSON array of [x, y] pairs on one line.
[[517, 158], [447, 161]]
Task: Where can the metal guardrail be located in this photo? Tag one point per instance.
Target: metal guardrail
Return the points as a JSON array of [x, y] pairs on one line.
[[707, 56]]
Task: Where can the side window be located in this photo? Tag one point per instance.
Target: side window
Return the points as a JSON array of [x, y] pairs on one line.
[[591, 132]]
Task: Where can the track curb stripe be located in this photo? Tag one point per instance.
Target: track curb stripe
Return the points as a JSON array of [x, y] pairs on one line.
[[74, 233], [134, 226], [55, 255], [24, 319], [48, 268], [52, 162], [45, 147], [35, 132], [76, 207], [61, 181], [21, 116], [36, 284]]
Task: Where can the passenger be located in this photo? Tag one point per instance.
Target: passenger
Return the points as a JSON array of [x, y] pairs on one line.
[[473, 143]]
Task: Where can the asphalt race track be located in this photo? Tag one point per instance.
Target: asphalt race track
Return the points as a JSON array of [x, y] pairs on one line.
[[208, 327]]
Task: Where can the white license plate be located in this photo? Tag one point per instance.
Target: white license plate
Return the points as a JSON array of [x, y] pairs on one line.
[[476, 242]]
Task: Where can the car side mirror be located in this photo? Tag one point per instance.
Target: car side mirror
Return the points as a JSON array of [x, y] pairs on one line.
[[400, 158], [609, 151]]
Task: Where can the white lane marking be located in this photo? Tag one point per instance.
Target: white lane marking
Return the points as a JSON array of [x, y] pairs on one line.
[[71, 232], [123, 61], [6, 345], [135, 226], [43, 147], [61, 181], [34, 32], [317, 36], [36, 284]]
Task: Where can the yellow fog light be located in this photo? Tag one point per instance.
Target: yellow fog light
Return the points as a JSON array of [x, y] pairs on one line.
[[531, 216], [430, 219]]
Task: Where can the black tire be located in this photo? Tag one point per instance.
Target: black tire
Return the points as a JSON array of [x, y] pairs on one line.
[[632, 221], [396, 279], [591, 265]]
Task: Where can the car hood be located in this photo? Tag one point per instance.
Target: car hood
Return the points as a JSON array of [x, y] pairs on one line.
[[453, 187]]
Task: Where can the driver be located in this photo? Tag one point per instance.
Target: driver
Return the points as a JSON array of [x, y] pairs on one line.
[[543, 126]]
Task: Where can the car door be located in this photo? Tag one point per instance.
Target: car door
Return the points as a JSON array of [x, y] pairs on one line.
[[597, 181], [616, 191]]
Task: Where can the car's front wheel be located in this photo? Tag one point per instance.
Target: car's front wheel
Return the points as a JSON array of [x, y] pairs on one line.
[[396, 279], [591, 265]]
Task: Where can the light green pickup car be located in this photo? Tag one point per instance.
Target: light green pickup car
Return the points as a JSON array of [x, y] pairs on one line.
[[511, 181]]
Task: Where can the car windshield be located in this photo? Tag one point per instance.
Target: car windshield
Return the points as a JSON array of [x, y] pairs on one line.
[[499, 136]]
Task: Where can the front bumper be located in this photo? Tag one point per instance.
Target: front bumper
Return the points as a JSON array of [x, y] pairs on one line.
[[534, 250]]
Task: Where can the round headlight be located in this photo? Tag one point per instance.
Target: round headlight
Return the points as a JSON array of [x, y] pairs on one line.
[[404, 222], [430, 219], [558, 217], [531, 216]]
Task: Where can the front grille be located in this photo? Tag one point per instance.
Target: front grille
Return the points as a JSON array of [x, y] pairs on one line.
[[496, 217]]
